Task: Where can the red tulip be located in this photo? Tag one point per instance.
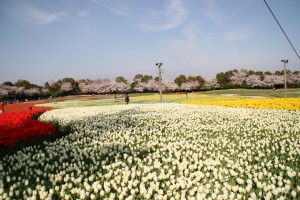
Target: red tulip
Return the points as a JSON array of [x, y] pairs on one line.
[[18, 127]]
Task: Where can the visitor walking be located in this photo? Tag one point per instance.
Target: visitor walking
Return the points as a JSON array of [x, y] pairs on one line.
[[126, 98]]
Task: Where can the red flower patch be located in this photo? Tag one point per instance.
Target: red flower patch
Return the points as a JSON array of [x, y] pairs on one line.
[[24, 106], [19, 127]]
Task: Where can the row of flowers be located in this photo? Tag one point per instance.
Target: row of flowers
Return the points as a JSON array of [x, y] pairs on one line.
[[20, 127], [143, 99], [195, 99], [16, 107], [161, 151], [265, 103], [230, 101]]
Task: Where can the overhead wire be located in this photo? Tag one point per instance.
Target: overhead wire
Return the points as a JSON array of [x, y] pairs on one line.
[[282, 29]]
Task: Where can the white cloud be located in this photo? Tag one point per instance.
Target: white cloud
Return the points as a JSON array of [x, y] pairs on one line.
[[32, 15], [187, 42], [83, 13], [241, 33], [173, 16], [210, 11], [219, 14], [113, 9]]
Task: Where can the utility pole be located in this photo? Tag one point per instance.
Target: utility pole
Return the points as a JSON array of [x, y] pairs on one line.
[[159, 75], [284, 63]]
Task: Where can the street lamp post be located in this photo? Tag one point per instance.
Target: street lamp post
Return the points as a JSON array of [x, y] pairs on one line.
[[285, 88], [159, 75]]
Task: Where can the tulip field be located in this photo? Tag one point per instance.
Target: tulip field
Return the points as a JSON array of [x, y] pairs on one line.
[[194, 99], [19, 127], [23, 106], [185, 149]]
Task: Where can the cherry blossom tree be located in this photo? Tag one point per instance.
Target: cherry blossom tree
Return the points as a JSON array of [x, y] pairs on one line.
[[238, 78], [169, 85], [44, 90], [272, 80], [14, 90], [140, 87], [3, 91], [211, 83], [119, 87], [254, 81], [105, 87], [11, 91], [83, 87], [293, 78], [32, 92], [66, 87], [19, 90], [152, 85], [189, 86], [98, 86], [95, 87]]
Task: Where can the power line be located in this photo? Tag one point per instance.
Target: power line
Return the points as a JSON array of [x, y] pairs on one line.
[[282, 29]]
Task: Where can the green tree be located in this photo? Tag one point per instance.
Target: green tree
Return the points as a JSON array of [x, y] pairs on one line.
[[47, 85], [57, 93], [224, 79], [121, 79], [260, 74], [55, 90], [86, 81], [24, 83], [198, 79], [132, 85], [265, 73], [147, 78], [180, 79], [70, 80], [138, 77], [279, 73], [250, 72], [8, 83], [74, 83]]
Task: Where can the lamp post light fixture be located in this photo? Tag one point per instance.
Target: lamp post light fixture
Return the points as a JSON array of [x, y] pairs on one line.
[[285, 87], [158, 65], [159, 75]]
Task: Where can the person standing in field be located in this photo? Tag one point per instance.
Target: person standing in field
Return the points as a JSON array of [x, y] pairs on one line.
[[126, 98]]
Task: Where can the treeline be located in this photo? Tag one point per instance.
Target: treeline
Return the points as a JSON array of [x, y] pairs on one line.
[[23, 89], [256, 79]]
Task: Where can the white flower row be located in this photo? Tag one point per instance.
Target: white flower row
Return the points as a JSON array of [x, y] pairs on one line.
[[161, 151]]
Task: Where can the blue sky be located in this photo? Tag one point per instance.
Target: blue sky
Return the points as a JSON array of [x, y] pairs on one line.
[[51, 39]]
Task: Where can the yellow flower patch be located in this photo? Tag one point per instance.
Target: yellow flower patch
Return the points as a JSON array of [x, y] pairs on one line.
[[268, 103]]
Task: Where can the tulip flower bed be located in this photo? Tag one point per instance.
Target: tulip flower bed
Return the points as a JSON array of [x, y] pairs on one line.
[[143, 99], [24, 106], [161, 151], [18, 129], [286, 104], [102, 102]]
